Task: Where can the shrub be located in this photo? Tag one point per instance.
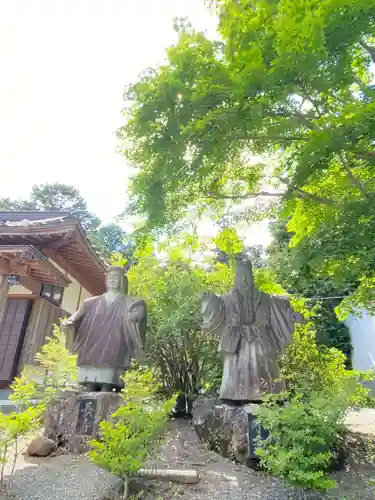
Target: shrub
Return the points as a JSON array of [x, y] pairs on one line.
[[302, 436], [55, 370], [184, 355], [307, 427], [31, 393], [135, 428], [308, 367]]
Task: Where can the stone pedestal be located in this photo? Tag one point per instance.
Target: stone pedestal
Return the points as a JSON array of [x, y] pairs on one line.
[[73, 419], [229, 430]]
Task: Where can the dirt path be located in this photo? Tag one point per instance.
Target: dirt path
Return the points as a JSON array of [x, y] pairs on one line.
[[72, 478], [223, 480]]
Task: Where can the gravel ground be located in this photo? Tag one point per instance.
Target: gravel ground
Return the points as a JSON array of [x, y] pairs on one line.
[[75, 478], [64, 477], [362, 421], [224, 480]]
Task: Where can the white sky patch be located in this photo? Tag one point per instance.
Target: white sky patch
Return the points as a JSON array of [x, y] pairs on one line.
[[64, 66]]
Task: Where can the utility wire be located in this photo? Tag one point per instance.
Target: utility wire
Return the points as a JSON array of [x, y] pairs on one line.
[[327, 298]]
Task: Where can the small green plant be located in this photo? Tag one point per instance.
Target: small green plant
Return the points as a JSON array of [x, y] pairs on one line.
[[31, 393], [55, 370], [306, 424], [135, 428], [302, 436]]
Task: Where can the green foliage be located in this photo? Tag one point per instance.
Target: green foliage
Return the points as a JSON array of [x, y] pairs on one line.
[[185, 356], [229, 242], [55, 370], [111, 238], [136, 427], [294, 268], [306, 424], [308, 367], [302, 436], [32, 392], [171, 281], [285, 99]]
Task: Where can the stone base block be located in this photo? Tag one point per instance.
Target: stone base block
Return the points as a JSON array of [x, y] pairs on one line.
[[73, 419], [229, 430]]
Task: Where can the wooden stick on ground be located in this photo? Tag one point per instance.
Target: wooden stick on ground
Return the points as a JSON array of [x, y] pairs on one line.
[[180, 476]]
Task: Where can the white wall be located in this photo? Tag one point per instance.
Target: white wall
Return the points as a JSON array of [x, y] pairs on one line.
[[74, 294], [362, 332]]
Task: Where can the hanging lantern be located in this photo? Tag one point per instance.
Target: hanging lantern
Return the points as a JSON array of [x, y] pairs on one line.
[[13, 279]]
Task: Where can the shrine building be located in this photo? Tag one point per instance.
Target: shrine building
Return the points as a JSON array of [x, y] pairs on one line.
[[47, 269]]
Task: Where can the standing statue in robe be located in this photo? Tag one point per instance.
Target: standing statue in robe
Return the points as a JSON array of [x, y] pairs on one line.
[[254, 329], [106, 333]]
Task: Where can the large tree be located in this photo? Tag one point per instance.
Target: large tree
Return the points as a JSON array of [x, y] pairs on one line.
[[290, 81], [293, 268]]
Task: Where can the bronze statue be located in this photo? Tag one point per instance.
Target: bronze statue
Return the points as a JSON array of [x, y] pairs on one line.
[[106, 332], [254, 329]]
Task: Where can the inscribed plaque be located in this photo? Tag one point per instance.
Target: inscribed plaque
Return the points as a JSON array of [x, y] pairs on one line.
[[86, 416], [256, 430]]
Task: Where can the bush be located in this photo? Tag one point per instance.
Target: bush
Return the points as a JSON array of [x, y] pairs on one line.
[[128, 439], [55, 370], [307, 427], [32, 392], [185, 356], [308, 367]]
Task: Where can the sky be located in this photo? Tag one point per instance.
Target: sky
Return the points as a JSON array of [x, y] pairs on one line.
[[63, 68]]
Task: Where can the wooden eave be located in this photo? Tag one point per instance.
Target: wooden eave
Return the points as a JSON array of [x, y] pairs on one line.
[[63, 240], [28, 262]]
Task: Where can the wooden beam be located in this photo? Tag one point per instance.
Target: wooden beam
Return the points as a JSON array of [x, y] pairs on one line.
[[68, 238], [5, 265], [31, 284], [92, 288], [29, 296], [4, 289]]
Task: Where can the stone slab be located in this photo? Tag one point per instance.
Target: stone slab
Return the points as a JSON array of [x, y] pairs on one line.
[[225, 428], [73, 419]]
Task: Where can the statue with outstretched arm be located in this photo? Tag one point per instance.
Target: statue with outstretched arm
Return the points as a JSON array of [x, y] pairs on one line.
[[254, 328], [106, 333]]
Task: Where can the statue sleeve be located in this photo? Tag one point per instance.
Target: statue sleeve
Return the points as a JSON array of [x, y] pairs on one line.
[[71, 327], [213, 312], [76, 317], [283, 318], [138, 326]]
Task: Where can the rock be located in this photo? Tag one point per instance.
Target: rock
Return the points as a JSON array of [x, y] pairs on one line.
[[225, 429], [41, 447], [73, 419]]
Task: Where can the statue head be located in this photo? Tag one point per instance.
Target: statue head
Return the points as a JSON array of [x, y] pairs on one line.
[[244, 279], [116, 280]]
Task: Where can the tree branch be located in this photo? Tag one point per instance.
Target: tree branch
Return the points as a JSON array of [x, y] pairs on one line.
[[365, 155], [278, 138], [306, 195], [352, 178], [247, 196], [300, 193], [370, 50]]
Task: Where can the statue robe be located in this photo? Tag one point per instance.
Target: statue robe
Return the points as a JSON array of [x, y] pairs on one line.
[[104, 338], [251, 341]]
